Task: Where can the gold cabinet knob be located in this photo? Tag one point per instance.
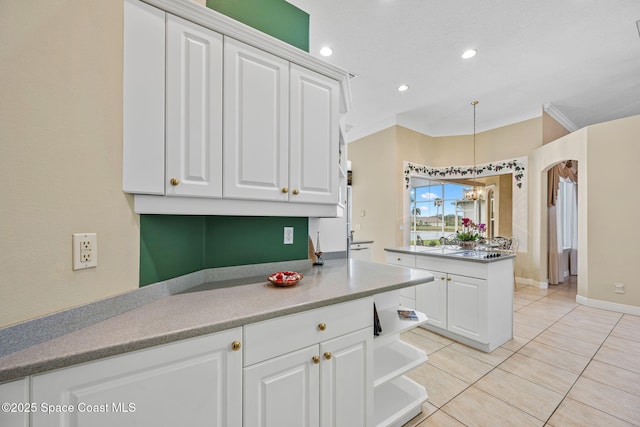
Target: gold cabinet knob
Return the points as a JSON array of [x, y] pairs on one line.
[[296, 191], [322, 326], [399, 259], [315, 359], [235, 346], [327, 355], [448, 279], [285, 189], [174, 181], [442, 278]]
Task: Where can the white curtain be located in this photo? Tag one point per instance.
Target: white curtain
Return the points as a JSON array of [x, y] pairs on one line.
[[569, 171], [572, 215]]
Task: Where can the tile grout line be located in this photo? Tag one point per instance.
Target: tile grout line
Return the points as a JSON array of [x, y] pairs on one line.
[[497, 366], [487, 373], [572, 310], [580, 376]]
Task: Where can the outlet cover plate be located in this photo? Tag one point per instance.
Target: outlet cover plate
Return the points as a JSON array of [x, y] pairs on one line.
[[85, 250], [288, 235]]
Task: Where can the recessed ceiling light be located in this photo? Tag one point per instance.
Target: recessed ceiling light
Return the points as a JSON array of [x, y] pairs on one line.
[[469, 53], [326, 51], [403, 88]]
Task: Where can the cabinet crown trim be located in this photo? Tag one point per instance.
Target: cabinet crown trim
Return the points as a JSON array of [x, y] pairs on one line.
[[216, 21]]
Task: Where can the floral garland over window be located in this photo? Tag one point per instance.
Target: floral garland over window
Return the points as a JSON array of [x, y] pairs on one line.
[[513, 166]]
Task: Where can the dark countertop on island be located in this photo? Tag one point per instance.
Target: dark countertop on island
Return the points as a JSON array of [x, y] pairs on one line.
[[451, 253], [208, 308]]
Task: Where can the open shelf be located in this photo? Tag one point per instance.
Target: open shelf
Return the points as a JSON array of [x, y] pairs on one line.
[[392, 324], [394, 359], [397, 401]]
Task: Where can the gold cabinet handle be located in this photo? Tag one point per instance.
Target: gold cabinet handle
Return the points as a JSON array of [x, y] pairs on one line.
[[296, 191], [285, 189], [235, 346], [399, 259], [315, 359], [327, 355], [448, 279], [322, 326], [442, 278], [174, 181]]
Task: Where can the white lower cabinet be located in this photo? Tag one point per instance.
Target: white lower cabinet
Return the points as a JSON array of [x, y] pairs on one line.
[[456, 303], [432, 298], [316, 368], [361, 251], [322, 385], [284, 391], [408, 294], [16, 394], [312, 369], [346, 372], [192, 382], [467, 307], [470, 302]]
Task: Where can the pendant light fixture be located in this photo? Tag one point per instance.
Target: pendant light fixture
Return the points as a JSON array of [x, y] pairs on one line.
[[475, 192]]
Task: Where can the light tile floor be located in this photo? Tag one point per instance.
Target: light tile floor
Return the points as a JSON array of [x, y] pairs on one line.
[[567, 365]]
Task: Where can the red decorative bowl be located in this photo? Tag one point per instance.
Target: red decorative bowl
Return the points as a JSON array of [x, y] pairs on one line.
[[285, 278]]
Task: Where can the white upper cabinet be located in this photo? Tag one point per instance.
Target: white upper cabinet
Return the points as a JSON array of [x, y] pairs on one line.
[[314, 137], [229, 119], [193, 110], [143, 99], [256, 139]]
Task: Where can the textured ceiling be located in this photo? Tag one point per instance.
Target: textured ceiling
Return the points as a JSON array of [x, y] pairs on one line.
[[580, 56]]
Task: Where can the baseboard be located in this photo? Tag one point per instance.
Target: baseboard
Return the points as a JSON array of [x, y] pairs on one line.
[[607, 305], [530, 282]]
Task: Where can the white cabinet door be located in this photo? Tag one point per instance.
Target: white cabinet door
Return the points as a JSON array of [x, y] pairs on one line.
[[467, 307], [194, 382], [16, 395], [314, 109], [194, 110], [256, 136], [143, 99], [431, 299], [346, 379], [283, 391]]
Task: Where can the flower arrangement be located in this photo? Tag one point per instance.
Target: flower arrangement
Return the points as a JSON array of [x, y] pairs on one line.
[[470, 230]]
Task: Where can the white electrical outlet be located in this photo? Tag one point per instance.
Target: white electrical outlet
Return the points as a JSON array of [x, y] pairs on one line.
[[288, 235], [85, 250], [619, 288]]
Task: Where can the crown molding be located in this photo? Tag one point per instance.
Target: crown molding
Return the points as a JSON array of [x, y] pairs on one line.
[[559, 117], [216, 21]]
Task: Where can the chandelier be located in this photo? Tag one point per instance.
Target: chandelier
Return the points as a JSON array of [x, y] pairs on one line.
[[475, 192]]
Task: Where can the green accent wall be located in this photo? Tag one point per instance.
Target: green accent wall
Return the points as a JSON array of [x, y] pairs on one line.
[[173, 245], [277, 18]]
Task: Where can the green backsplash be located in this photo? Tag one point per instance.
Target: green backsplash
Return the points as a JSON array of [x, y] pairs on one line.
[[277, 18], [173, 245]]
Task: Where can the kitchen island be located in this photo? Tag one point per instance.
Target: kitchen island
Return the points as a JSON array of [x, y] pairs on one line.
[[220, 351], [471, 298]]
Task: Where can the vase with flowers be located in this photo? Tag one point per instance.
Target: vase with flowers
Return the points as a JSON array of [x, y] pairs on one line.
[[470, 233]]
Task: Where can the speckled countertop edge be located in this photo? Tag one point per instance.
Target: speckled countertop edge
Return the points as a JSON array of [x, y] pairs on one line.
[[413, 250], [25, 334], [198, 312]]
